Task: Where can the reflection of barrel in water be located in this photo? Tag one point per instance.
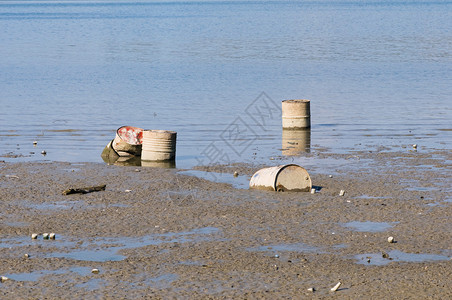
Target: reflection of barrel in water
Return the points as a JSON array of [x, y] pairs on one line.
[[295, 142]]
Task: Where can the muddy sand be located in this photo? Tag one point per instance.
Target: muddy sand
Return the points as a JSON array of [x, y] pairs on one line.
[[158, 233]]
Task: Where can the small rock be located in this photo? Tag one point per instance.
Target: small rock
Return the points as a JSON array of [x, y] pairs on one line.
[[34, 236], [3, 278], [43, 152], [45, 236], [330, 176], [52, 236], [311, 290], [236, 174], [334, 288], [137, 170], [391, 239], [95, 271], [127, 191], [384, 254], [35, 143], [415, 146], [26, 255], [312, 191], [342, 193], [276, 256]]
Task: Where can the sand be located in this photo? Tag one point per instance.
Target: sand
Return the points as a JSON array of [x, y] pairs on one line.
[[156, 233]]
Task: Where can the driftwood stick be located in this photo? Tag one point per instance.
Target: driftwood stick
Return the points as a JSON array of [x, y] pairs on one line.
[[85, 190]]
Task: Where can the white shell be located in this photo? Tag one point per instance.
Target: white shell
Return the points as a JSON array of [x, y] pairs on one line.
[[390, 239], [3, 278], [34, 236], [45, 236], [52, 236], [342, 193], [95, 271]]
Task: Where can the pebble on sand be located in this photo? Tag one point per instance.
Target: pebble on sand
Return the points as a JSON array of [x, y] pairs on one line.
[[342, 193], [3, 278], [52, 236], [34, 236], [391, 239], [95, 271]]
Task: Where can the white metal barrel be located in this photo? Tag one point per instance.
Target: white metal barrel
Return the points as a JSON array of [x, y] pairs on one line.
[[282, 178], [296, 114], [158, 145], [294, 142], [128, 141]]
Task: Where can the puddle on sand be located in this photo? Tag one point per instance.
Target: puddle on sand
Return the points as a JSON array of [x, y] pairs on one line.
[[106, 249], [239, 182], [162, 281], [103, 249], [369, 226], [377, 259], [92, 284], [297, 247], [35, 275], [368, 197]]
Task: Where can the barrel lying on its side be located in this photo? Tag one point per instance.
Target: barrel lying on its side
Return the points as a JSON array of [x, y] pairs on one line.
[[282, 178]]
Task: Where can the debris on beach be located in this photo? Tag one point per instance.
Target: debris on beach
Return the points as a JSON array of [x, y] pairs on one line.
[[282, 178], [391, 239], [333, 289], [85, 190], [342, 193]]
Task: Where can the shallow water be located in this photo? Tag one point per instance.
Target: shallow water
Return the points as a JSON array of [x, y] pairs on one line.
[[377, 74], [397, 256], [369, 226], [103, 249]]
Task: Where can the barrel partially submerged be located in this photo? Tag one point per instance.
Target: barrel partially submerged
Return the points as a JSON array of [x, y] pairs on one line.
[[128, 141], [296, 114], [158, 145], [282, 178]]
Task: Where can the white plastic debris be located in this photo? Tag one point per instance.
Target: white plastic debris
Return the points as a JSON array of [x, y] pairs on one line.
[[334, 288]]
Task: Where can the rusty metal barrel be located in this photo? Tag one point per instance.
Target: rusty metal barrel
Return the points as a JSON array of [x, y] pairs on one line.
[[128, 141], [296, 114], [158, 145], [295, 142], [282, 178]]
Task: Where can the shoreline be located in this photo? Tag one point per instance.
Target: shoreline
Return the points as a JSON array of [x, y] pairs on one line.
[[159, 233]]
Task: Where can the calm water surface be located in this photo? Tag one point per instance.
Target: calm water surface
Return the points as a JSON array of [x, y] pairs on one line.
[[378, 73]]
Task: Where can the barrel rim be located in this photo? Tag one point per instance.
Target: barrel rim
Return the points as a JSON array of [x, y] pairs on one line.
[[297, 101], [138, 129], [159, 131]]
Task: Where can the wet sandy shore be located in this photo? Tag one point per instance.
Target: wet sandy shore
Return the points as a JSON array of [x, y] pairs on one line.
[[159, 233]]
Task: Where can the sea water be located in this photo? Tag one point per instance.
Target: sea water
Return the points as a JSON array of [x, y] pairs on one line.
[[378, 74]]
